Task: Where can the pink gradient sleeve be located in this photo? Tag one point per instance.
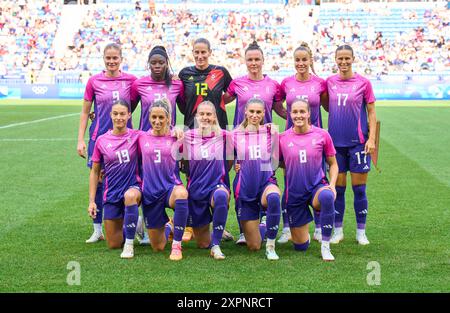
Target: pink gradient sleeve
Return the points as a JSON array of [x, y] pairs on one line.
[[96, 155], [278, 92], [89, 91], [329, 146], [368, 94], [231, 89], [134, 95]]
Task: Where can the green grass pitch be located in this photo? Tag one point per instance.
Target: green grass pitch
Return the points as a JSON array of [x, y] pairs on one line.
[[44, 197]]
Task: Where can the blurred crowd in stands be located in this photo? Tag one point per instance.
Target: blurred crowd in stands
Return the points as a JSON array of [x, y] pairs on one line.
[[27, 29]]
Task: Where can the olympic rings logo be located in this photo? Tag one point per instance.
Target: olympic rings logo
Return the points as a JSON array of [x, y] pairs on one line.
[[39, 90]]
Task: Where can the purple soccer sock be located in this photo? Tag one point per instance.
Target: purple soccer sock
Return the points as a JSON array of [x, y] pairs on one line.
[[220, 215], [283, 211], [360, 204], [180, 218], [273, 215], [339, 205], [317, 220], [326, 200], [131, 219], [167, 230], [99, 202]]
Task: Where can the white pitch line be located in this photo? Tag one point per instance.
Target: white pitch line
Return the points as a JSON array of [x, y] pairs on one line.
[[37, 139], [38, 121]]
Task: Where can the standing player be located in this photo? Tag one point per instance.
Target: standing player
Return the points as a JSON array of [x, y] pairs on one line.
[[117, 151], [351, 123], [302, 148], [161, 184], [254, 85], [158, 85], [206, 149], [308, 86], [102, 90], [256, 185], [205, 82]]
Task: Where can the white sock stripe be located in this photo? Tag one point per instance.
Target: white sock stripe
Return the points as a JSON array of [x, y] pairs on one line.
[[38, 121]]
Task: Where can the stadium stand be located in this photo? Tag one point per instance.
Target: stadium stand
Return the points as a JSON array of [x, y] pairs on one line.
[[390, 39]]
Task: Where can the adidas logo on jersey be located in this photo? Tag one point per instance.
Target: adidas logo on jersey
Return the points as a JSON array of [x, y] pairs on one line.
[[292, 90], [366, 167], [147, 145], [191, 78], [290, 145], [103, 86], [149, 88], [109, 145], [334, 87], [245, 88]]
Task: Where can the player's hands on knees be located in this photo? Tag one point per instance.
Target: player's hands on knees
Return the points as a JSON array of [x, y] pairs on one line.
[[92, 210], [81, 149], [369, 148], [237, 167], [92, 116], [333, 189]]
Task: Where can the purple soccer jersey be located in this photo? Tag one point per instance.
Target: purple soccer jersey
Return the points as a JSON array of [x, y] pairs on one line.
[[104, 92], [159, 165], [347, 119], [309, 90], [253, 154], [303, 155], [244, 88], [206, 155], [147, 91], [119, 155]]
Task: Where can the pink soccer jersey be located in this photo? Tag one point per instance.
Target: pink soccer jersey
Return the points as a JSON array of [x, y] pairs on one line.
[[309, 90], [347, 119], [244, 88], [119, 155], [206, 155], [103, 91], [159, 156], [303, 155], [147, 91], [253, 153]]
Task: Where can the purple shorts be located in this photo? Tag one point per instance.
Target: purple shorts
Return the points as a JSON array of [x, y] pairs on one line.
[[298, 212], [113, 210], [155, 215], [200, 211], [353, 159], [90, 151], [250, 210]]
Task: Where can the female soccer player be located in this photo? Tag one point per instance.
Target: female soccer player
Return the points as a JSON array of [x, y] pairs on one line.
[[158, 85], [304, 85], [256, 186], [206, 149], [161, 184], [117, 152], [204, 82], [254, 85], [302, 148], [351, 123], [102, 90]]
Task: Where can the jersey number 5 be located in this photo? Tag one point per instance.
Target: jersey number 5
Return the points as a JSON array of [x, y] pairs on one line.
[[201, 89]]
